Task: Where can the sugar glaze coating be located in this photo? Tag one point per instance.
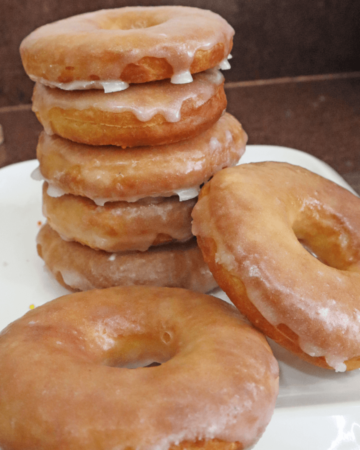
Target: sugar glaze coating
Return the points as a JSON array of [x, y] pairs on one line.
[[128, 175], [55, 192], [133, 45], [117, 86], [79, 267], [218, 380], [107, 86], [147, 114], [144, 101], [119, 226], [249, 221]]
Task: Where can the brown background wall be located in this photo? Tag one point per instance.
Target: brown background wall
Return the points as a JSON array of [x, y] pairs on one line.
[[318, 114], [274, 38]]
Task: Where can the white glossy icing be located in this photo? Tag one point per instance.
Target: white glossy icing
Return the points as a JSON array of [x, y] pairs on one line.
[[75, 280], [311, 349], [101, 201], [187, 194], [37, 175], [178, 35], [184, 194], [182, 78], [79, 85], [225, 258], [225, 65], [143, 100], [114, 86], [336, 362], [55, 191]]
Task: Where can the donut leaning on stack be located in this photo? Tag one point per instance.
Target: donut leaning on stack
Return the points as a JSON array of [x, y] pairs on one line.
[[259, 227], [132, 103]]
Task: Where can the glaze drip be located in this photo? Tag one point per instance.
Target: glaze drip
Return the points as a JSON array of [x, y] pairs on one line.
[[187, 194], [184, 194], [129, 175], [143, 100], [79, 85], [55, 191], [224, 65], [37, 175], [182, 78], [179, 37]]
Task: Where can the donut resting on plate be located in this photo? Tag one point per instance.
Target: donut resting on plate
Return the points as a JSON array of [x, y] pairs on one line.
[[78, 267], [251, 222], [65, 378]]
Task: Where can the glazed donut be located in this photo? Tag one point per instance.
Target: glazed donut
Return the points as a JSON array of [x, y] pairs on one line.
[[65, 380], [249, 221], [78, 267], [119, 226], [145, 114], [110, 48], [108, 174]]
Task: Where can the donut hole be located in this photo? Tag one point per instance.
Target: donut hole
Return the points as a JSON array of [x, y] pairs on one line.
[[326, 252], [139, 351], [130, 21], [154, 364], [140, 365], [326, 237]]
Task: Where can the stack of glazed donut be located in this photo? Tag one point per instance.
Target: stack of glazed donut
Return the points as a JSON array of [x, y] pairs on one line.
[[133, 108]]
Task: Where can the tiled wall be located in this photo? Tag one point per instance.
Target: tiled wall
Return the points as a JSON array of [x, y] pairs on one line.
[[274, 38]]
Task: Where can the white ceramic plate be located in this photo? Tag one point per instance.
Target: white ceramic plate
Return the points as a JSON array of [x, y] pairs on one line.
[[316, 409]]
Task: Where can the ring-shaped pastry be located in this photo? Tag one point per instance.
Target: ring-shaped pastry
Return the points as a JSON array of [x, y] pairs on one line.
[[78, 267], [251, 222], [110, 174], [65, 378], [119, 226], [145, 114], [109, 48]]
